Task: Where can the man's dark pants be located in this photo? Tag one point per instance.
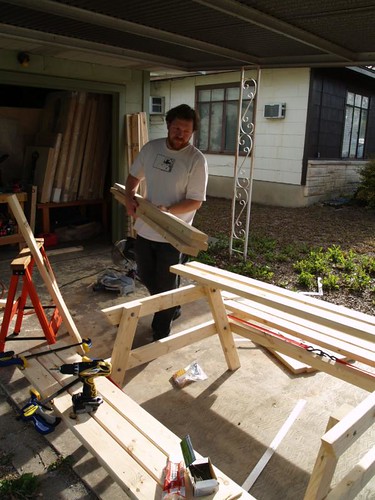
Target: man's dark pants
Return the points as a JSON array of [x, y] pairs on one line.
[[153, 262]]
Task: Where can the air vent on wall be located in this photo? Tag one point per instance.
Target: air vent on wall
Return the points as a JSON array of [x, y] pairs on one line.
[[156, 105], [274, 110]]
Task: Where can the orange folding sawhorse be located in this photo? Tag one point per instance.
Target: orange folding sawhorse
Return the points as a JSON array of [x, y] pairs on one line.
[[22, 266]]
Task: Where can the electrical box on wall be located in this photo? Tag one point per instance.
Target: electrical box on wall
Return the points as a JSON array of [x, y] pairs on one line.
[[275, 110], [157, 105]]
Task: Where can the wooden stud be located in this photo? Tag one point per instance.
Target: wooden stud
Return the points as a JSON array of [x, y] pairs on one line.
[[223, 328], [123, 343], [64, 151], [165, 300], [325, 465]]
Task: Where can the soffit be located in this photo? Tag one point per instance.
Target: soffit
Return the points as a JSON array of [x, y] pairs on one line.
[[195, 35]]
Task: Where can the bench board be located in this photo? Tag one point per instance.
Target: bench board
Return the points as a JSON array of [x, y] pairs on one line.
[[127, 441]]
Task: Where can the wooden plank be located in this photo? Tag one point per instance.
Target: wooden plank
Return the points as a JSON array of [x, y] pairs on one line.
[[325, 464], [128, 140], [149, 352], [351, 427], [80, 150], [102, 146], [170, 238], [292, 364], [355, 480], [161, 437], [45, 273], [322, 305], [143, 134], [87, 158], [123, 343], [151, 304], [169, 221], [308, 312], [24, 257], [45, 195], [175, 241], [136, 444], [223, 328], [327, 338], [62, 161], [345, 372], [73, 145], [43, 164], [34, 195]]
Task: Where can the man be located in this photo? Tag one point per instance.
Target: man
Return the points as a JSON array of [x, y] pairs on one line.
[[175, 176]]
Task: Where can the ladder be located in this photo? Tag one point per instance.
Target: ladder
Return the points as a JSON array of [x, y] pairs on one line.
[[22, 268]]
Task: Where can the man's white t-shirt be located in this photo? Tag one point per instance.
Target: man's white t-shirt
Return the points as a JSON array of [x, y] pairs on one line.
[[170, 176]]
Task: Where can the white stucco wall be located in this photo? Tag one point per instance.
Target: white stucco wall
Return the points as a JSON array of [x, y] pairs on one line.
[[278, 143]]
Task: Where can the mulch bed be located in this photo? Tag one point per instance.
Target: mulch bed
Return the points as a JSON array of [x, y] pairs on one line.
[[317, 226]]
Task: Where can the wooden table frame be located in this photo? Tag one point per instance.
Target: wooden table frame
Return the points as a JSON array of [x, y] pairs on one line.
[[344, 330]]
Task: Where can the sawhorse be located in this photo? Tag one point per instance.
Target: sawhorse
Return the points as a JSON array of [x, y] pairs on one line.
[[22, 266]]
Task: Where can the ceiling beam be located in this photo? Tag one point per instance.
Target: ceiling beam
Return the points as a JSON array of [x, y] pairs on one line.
[[64, 42], [271, 23], [97, 19]]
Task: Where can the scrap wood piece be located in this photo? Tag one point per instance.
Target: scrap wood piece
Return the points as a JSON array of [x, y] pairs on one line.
[[45, 273], [173, 240], [177, 234], [170, 221], [255, 473]]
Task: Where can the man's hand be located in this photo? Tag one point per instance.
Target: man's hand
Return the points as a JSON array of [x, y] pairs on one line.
[[131, 187], [131, 206]]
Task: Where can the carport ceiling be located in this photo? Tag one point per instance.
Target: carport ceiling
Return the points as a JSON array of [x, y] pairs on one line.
[[195, 35]]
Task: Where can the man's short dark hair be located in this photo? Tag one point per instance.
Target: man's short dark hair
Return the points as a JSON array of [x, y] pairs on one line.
[[183, 112]]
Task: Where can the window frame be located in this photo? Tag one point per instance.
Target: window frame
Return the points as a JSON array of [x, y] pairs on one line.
[[225, 101], [361, 109]]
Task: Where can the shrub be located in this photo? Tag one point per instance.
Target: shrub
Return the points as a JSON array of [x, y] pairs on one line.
[[365, 193]]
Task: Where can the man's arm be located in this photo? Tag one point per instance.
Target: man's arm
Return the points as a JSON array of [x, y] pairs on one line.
[[131, 186]]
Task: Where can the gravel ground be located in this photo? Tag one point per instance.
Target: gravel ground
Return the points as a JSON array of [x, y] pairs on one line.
[[317, 226]]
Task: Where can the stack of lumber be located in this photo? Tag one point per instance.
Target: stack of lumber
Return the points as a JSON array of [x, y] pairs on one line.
[[69, 159], [136, 137], [136, 134], [186, 238]]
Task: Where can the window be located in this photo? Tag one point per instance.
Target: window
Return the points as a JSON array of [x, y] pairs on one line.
[[355, 125], [218, 109]]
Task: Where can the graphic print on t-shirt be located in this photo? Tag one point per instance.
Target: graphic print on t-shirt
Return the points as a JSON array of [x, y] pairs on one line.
[[164, 163]]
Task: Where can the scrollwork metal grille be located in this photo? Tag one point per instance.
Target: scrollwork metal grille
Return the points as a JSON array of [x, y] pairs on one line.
[[243, 166]]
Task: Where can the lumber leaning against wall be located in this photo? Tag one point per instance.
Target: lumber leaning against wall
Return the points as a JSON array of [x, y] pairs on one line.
[[186, 238]]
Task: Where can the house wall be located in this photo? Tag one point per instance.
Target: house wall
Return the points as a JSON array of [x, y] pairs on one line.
[[339, 178], [278, 144], [296, 159]]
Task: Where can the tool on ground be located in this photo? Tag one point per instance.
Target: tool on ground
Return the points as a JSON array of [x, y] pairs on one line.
[[9, 358], [34, 410], [122, 279], [88, 400]]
